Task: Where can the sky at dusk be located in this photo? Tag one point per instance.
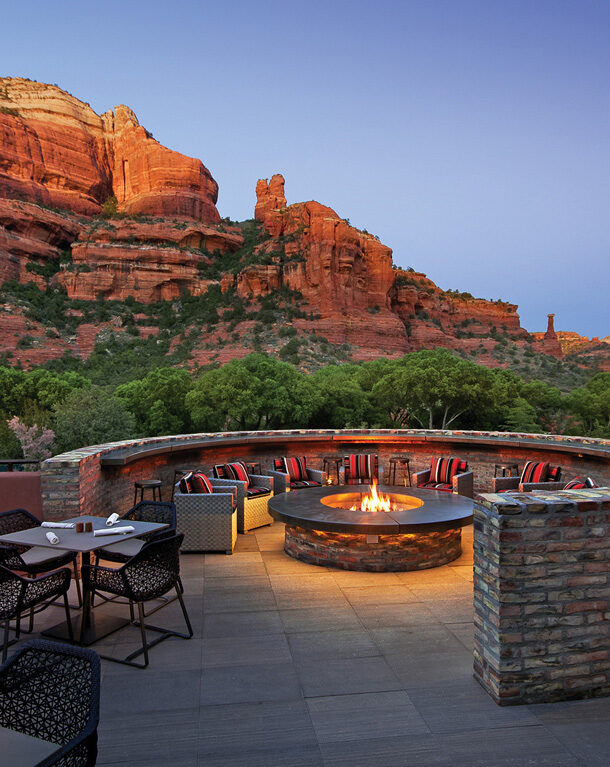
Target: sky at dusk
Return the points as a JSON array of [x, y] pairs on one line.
[[471, 137]]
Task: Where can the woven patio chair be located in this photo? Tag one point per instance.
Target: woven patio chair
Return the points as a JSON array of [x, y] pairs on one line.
[[33, 560], [359, 469], [18, 594], [294, 473], [207, 519], [51, 691], [536, 475], [151, 573], [162, 513], [450, 475], [253, 494]]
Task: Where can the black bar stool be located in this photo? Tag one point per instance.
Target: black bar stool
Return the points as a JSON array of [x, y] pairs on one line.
[[403, 462], [506, 469], [142, 485], [328, 462]]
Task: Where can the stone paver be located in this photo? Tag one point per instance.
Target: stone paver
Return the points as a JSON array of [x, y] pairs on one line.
[[298, 666]]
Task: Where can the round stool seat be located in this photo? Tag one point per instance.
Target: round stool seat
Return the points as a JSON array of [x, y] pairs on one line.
[[142, 485], [403, 462]]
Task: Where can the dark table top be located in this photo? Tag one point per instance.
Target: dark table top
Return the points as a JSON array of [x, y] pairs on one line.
[[20, 750], [70, 540], [304, 508]]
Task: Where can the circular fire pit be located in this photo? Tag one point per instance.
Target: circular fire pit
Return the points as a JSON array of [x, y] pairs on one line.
[[422, 528]]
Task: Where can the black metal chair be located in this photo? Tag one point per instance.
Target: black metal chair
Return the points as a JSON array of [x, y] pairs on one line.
[[18, 594], [146, 511], [33, 560], [150, 574], [51, 691]]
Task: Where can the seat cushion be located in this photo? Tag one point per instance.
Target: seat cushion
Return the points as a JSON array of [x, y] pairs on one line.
[[252, 491], [442, 470], [446, 486], [305, 483], [41, 555], [124, 548]]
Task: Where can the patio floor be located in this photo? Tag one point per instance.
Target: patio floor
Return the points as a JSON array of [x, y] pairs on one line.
[[293, 665]]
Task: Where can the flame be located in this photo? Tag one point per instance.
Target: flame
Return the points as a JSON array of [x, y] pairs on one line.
[[374, 501]]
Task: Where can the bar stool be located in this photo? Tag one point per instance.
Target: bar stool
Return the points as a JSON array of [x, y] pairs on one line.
[[254, 467], [331, 460], [141, 485], [403, 462], [506, 469]]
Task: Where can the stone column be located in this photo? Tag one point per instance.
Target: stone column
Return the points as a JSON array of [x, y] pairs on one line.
[[542, 595]]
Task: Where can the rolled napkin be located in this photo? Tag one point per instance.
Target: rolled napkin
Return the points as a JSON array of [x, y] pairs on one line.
[[115, 530], [52, 538], [62, 525], [112, 520]]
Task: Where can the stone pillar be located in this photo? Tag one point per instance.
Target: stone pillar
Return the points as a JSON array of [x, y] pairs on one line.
[[542, 595]]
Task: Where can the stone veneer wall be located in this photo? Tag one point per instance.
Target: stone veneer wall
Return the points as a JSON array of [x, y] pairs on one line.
[[542, 595], [78, 482]]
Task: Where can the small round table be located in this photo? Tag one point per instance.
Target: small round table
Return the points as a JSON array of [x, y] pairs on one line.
[[402, 461], [142, 485]]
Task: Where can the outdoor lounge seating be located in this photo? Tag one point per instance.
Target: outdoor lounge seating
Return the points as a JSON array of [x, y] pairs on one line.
[[253, 493], [536, 475], [152, 573], [450, 475], [294, 473], [206, 513], [580, 483], [18, 594], [51, 691], [359, 469]]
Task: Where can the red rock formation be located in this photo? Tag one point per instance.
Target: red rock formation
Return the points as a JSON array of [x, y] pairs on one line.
[[269, 196], [57, 151]]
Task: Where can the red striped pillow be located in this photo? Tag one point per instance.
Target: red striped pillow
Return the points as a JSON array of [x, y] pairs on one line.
[[237, 470], [360, 466], [554, 474], [534, 471], [296, 468], [185, 483], [201, 484], [442, 470], [578, 483]]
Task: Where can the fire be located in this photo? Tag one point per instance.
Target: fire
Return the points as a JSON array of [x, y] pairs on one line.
[[374, 501]]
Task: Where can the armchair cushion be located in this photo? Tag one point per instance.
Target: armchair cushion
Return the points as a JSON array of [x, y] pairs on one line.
[[296, 468], [437, 486], [236, 470], [539, 471], [201, 484], [579, 483], [442, 470], [360, 467]]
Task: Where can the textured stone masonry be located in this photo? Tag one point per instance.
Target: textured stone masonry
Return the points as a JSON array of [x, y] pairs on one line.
[[542, 595]]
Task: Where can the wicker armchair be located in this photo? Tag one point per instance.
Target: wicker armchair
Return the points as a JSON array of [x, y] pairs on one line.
[[152, 573], [33, 560], [293, 473], [359, 469], [253, 496], [450, 475], [18, 594], [536, 475], [51, 691], [208, 520], [145, 511]]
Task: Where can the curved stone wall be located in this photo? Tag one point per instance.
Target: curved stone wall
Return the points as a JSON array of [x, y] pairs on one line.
[[99, 479]]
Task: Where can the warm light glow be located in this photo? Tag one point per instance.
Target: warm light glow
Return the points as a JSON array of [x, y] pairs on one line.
[[374, 501]]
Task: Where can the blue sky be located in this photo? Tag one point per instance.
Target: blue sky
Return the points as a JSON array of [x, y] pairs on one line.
[[471, 136]]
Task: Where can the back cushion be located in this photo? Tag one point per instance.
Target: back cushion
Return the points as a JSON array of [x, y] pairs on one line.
[[219, 471], [185, 483], [578, 483], [237, 470], [554, 474], [201, 484], [296, 468], [442, 470], [534, 471], [360, 465]]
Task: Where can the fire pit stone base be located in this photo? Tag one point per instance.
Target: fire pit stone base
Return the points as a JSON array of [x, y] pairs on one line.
[[391, 553]]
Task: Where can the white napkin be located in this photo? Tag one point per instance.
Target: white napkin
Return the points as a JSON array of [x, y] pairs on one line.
[[61, 525], [112, 519], [115, 530], [52, 538]]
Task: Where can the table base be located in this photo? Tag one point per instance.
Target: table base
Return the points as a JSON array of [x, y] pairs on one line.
[[100, 626]]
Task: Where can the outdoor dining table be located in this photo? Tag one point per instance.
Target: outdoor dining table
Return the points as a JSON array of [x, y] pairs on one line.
[[21, 750], [96, 626]]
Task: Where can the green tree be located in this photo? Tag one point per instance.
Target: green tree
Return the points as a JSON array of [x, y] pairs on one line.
[[158, 401], [591, 405], [90, 417], [341, 401]]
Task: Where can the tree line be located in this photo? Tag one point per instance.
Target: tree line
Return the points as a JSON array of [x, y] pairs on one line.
[[431, 389]]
